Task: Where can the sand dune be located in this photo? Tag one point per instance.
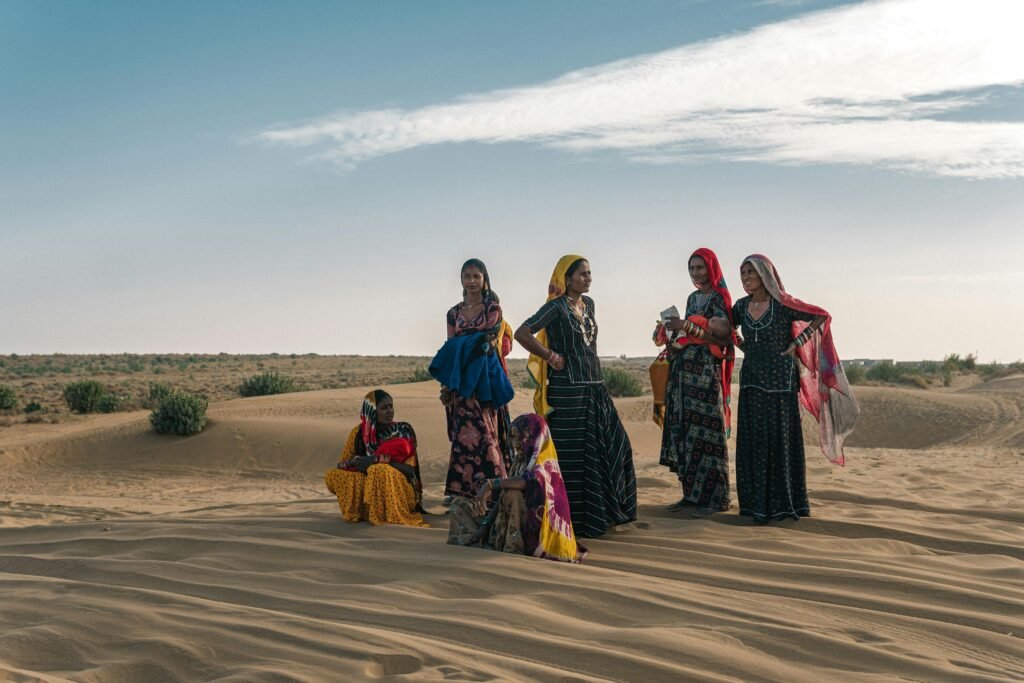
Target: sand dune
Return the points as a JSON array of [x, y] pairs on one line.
[[127, 556]]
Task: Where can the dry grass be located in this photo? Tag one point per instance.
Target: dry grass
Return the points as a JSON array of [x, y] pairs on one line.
[[42, 378]]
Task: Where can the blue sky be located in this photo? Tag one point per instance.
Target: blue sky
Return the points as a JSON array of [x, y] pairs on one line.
[[293, 177]]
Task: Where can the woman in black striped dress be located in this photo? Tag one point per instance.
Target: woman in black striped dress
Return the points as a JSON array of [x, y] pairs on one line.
[[594, 452]]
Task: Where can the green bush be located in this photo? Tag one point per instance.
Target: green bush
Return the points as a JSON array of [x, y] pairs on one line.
[[8, 398], [266, 384], [180, 413], [887, 371], [158, 391], [855, 374], [33, 407], [621, 383], [84, 396], [111, 403]]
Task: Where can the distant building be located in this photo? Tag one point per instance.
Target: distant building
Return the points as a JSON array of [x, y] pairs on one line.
[[866, 362]]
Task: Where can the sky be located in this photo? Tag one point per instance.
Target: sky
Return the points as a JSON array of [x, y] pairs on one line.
[[256, 177]]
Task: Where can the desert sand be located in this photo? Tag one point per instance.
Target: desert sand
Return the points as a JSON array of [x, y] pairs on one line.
[[128, 556]]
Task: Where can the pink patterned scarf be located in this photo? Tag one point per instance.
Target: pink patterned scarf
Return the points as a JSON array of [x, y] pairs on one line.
[[824, 390]]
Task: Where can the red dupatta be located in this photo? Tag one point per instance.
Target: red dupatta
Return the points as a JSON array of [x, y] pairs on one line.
[[717, 280], [824, 389]]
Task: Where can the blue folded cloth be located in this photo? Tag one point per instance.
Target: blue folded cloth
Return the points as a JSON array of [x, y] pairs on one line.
[[470, 366]]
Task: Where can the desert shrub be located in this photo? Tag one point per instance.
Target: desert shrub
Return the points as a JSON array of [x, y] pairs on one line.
[[621, 383], [8, 397], [887, 371], [420, 374], [266, 384], [158, 391], [179, 413], [84, 396], [917, 379], [855, 374], [35, 418], [880, 372], [111, 403], [996, 370], [955, 362], [33, 407], [947, 375], [529, 382]]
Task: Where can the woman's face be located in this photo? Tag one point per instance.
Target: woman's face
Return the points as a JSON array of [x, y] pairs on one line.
[[518, 440], [386, 411], [750, 279], [472, 280], [698, 272], [579, 281]]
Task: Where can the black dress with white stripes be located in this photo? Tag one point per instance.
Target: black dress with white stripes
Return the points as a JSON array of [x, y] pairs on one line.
[[594, 453]]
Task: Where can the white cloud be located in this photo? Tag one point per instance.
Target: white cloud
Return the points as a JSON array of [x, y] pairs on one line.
[[858, 85]]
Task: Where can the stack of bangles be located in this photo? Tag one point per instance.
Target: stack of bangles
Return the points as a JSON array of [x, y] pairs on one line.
[[804, 337], [551, 354], [693, 330]]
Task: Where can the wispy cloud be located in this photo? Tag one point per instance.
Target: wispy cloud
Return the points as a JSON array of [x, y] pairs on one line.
[[860, 84]]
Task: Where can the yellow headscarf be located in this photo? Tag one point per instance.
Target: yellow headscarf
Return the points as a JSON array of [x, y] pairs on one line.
[[537, 366]]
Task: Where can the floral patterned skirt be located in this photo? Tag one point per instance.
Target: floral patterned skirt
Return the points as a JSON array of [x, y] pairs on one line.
[[478, 453]]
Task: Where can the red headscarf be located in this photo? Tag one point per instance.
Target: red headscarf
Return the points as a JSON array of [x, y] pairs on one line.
[[824, 390], [717, 280]]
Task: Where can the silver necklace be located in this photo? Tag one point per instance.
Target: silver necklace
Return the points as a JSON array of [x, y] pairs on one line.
[[764, 321], [585, 323]]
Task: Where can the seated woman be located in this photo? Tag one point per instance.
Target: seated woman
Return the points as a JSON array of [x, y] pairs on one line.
[[378, 477], [531, 516]]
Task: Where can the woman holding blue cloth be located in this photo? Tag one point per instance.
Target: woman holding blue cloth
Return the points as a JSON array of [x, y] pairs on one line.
[[475, 389]]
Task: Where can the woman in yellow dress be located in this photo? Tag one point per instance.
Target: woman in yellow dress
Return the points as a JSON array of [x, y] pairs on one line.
[[378, 476]]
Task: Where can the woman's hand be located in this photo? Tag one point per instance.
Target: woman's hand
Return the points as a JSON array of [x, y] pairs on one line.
[[676, 324], [363, 462], [480, 500], [557, 361], [790, 350]]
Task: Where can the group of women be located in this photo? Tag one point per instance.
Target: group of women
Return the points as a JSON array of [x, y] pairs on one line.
[[536, 484]]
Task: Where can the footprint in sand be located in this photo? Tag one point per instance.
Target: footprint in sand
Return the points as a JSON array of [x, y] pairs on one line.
[[392, 665]]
